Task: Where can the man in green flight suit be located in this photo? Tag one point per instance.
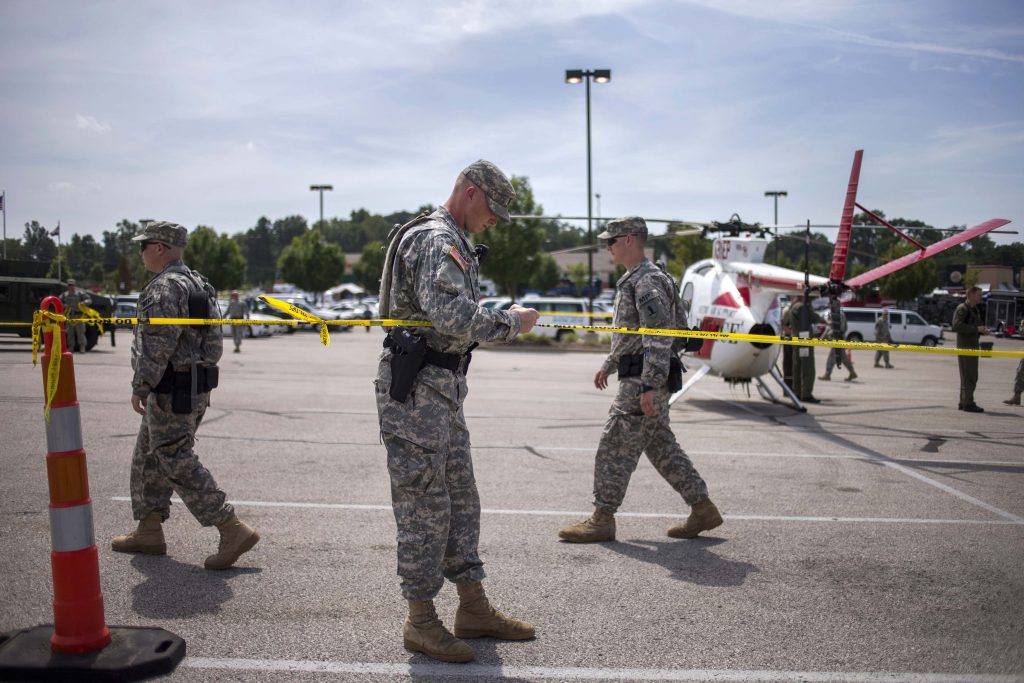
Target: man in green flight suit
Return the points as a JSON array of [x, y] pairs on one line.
[[803, 356], [968, 323]]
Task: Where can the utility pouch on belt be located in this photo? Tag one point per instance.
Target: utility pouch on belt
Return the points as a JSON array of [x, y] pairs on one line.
[[408, 356], [179, 385], [633, 366], [675, 374]]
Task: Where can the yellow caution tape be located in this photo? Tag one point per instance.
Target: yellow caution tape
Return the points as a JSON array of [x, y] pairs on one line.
[[92, 316], [296, 312], [658, 332], [789, 341], [43, 322]]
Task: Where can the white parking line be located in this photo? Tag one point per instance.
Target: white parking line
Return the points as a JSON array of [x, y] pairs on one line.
[[583, 674], [657, 515]]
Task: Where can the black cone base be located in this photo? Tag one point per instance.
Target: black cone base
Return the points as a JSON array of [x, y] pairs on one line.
[[134, 654]]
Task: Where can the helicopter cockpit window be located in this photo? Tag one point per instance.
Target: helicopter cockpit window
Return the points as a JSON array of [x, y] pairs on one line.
[[687, 295]]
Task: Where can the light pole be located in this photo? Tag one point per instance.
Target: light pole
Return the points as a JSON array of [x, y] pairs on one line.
[[776, 194], [320, 189], [580, 76]]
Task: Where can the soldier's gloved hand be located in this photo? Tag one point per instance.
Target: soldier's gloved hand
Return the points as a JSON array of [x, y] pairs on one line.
[[601, 379], [138, 404], [527, 317]]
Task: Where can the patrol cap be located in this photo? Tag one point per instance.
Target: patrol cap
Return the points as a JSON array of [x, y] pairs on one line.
[[71, 281], [630, 225], [171, 234], [495, 185]]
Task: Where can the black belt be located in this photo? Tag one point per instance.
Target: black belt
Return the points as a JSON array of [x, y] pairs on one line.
[[455, 362]]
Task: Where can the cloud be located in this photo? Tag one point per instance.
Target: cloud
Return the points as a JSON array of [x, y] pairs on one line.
[[932, 48], [90, 123]]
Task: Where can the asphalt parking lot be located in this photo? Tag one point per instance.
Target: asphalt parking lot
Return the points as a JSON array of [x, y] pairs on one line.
[[879, 537]]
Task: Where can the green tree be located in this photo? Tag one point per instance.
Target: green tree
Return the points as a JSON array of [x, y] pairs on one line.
[[39, 246], [121, 262], [82, 254], [514, 244], [546, 273], [367, 270], [259, 248], [285, 230], [312, 263], [578, 275], [687, 250], [910, 282], [218, 257]]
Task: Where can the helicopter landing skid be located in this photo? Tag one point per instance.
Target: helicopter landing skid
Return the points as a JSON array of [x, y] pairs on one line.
[[766, 392]]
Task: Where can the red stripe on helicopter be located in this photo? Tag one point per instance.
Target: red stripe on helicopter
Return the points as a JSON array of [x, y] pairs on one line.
[[728, 300]]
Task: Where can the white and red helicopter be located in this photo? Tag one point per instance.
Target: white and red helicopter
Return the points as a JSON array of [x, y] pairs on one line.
[[735, 291]]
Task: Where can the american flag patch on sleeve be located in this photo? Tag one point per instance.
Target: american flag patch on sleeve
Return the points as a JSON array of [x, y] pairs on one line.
[[457, 257]]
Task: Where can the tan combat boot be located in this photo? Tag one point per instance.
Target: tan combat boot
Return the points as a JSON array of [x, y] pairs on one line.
[[236, 537], [703, 516], [1014, 400], [599, 527], [826, 377], [853, 376], [475, 617], [148, 538], [424, 632]]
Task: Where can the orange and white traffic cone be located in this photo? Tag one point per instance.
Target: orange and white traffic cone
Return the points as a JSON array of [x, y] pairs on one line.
[[79, 625]]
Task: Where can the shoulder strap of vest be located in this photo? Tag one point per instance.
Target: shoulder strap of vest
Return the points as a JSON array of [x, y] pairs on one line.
[[396, 236]]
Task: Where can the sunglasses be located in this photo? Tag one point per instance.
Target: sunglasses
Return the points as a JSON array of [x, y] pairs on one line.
[[611, 240], [146, 243]]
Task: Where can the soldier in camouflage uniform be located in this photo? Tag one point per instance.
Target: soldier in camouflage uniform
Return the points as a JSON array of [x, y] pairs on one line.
[[639, 417], [237, 311], [1018, 385], [71, 300], [431, 273], [175, 367]]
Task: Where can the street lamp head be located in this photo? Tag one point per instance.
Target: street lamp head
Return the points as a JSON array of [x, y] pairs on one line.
[[321, 188], [776, 193], [602, 75], [574, 76]]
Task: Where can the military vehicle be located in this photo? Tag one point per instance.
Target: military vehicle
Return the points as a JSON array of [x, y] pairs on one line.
[[21, 294]]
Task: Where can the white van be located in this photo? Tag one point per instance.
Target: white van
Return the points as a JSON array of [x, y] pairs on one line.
[[557, 310], [905, 327]]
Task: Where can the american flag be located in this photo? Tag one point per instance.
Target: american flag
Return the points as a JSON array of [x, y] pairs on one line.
[[55, 231]]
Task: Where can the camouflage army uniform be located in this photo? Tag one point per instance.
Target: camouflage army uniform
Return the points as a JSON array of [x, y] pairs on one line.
[[164, 460], [803, 356], [75, 333], [237, 311], [645, 297], [435, 277]]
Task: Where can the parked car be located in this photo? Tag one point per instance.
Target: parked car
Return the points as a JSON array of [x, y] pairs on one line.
[[557, 310], [906, 327]]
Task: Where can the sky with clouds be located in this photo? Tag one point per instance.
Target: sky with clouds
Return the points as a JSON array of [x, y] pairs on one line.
[[217, 113]]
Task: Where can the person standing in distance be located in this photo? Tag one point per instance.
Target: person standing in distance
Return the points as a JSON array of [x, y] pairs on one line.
[[71, 299], [236, 311], [431, 273], [968, 323], [175, 367], [638, 420], [883, 335]]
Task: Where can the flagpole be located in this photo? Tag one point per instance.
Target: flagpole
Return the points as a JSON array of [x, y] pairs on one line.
[[58, 251], [3, 205]]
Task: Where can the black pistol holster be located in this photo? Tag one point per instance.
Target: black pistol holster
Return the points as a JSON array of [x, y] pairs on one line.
[[408, 356], [179, 385], [409, 353], [632, 365]]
